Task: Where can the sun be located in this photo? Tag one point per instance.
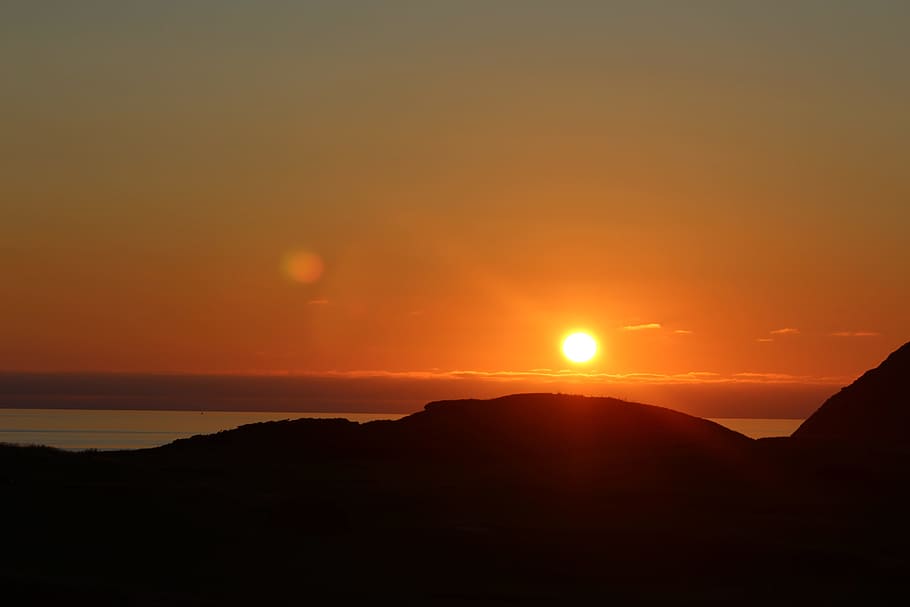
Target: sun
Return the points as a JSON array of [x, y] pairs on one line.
[[579, 347]]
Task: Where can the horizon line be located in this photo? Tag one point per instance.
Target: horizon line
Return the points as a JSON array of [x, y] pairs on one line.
[[541, 374]]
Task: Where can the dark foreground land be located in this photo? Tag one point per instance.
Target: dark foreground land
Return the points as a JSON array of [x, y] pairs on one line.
[[527, 499]]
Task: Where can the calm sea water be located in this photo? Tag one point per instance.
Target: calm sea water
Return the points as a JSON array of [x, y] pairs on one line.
[[102, 429], [76, 429], [759, 428]]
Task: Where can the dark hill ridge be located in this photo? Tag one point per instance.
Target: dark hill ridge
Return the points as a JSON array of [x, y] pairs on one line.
[[557, 423], [536, 499], [874, 409], [568, 441], [519, 425]]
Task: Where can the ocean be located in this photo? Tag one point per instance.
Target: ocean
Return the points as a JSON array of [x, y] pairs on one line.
[[79, 429]]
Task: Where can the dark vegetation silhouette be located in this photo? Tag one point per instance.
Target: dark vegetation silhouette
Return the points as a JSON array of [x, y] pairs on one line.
[[528, 499]]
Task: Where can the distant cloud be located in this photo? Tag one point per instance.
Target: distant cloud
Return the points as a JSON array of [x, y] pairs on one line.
[[683, 332], [572, 376], [406, 391], [650, 325], [318, 302], [785, 331], [772, 377], [856, 334], [765, 340]]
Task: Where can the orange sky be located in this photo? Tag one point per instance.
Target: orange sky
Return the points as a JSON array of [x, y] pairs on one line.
[[475, 182]]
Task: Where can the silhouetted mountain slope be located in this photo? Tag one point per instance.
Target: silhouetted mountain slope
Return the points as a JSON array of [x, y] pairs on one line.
[[554, 424], [532, 499], [874, 409], [511, 427]]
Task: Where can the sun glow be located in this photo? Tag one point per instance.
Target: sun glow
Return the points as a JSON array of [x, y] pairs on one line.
[[579, 347]]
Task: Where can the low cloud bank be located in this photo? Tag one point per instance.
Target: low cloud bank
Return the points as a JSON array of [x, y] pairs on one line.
[[701, 393]]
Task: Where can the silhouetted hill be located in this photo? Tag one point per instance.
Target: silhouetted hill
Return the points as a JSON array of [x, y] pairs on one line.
[[517, 427], [532, 499], [875, 409], [554, 424]]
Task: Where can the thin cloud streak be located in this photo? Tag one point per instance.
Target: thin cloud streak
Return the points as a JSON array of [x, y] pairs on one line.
[[560, 375], [785, 331], [855, 334], [644, 327]]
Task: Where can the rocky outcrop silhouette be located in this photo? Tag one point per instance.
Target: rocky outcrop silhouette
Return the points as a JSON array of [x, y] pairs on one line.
[[873, 410]]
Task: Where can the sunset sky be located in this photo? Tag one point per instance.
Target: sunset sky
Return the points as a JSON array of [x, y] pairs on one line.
[[436, 187]]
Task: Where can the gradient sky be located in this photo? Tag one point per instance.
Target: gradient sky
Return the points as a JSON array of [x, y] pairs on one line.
[[717, 187]]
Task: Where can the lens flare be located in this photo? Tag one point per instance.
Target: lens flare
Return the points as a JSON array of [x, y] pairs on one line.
[[303, 266]]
